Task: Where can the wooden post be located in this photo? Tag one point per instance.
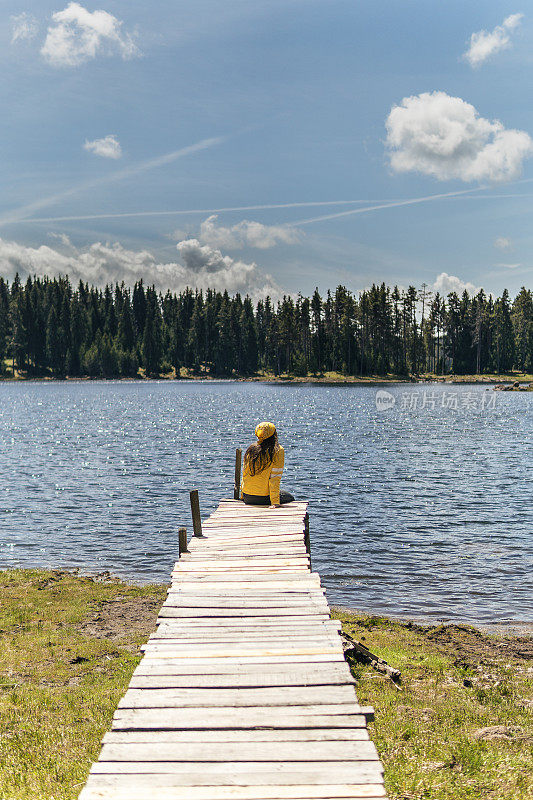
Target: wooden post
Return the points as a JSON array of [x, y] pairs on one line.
[[195, 511], [182, 538], [238, 462], [307, 538]]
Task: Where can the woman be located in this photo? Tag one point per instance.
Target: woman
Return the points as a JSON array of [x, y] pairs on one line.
[[263, 466]]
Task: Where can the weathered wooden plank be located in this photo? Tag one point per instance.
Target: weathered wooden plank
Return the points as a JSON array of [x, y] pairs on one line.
[[216, 586], [293, 658], [123, 787], [188, 601], [259, 534], [337, 735], [334, 716], [237, 698], [241, 751], [231, 680], [252, 552], [205, 631], [249, 589], [245, 598], [283, 578], [240, 651], [210, 544], [248, 773], [269, 670], [247, 647], [190, 628], [173, 610], [250, 563], [250, 622], [278, 638]]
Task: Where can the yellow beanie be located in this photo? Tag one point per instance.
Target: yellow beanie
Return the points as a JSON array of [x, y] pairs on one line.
[[264, 430]]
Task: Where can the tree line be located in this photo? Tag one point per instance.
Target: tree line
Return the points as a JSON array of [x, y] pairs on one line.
[[48, 327]]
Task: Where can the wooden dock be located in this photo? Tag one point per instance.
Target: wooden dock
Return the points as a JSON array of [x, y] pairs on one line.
[[243, 692]]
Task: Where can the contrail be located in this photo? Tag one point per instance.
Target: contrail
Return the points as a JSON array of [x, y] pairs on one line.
[[177, 212], [376, 205], [393, 204], [20, 214]]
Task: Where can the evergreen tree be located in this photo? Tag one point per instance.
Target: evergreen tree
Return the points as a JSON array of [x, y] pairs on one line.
[[522, 318], [503, 345], [54, 344], [248, 337]]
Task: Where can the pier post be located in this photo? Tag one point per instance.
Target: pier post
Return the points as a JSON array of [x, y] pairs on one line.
[[195, 511], [307, 538], [238, 463], [182, 539]]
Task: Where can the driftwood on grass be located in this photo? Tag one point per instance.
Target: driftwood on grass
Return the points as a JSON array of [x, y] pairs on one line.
[[354, 649]]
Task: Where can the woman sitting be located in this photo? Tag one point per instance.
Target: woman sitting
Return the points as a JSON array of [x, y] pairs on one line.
[[263, 466]]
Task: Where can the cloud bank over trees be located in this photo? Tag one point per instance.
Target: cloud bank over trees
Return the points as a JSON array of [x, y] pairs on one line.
[[199, 266]]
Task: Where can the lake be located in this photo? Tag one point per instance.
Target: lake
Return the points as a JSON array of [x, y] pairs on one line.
[[420, 499]]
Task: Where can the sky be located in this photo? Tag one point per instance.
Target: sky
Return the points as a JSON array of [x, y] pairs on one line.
[[271, 146]]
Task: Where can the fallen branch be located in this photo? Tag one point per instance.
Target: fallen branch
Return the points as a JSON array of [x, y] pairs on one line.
[[354, 649]]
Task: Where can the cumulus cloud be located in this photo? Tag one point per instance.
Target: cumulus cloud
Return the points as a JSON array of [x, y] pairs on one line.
[[209, 267], [108, 147], [443, 136], [246, 233], [199, 266], [502, 243], [77, 35], [24, 26], [484, 44], [445, 284]]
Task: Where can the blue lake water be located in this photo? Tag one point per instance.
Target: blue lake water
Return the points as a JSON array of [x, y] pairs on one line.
[[419, 508]]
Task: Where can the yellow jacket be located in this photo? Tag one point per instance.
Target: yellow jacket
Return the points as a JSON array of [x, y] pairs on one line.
[[267, 481]]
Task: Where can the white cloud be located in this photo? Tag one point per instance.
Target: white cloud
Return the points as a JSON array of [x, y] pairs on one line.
[[208, 267], [108, 147], [445, 284], [63, 238], [246, 233], [77, 35], [25, 26], [509, 266], [502, 243], [436, 134], [101, 263], [484, 44]]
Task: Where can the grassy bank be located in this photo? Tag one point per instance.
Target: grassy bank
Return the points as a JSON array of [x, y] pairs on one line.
[[68, 646], [459, 726]]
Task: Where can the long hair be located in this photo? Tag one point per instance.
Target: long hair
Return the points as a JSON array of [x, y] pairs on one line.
[[260, 455]]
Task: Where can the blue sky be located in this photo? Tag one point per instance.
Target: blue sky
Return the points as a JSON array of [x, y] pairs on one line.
[[118, 108]]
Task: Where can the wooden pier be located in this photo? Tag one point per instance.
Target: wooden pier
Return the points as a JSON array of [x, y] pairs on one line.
[[243, 692]]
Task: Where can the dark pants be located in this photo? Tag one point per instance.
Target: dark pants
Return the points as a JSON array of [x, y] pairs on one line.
[[264, 499]]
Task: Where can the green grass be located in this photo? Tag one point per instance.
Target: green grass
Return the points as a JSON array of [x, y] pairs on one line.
[[59, 683], [454, 683]]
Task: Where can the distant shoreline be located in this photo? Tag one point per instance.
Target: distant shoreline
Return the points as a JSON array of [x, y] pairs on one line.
[[372, 380]]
